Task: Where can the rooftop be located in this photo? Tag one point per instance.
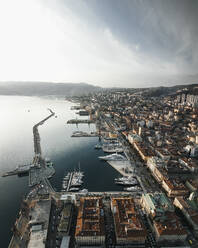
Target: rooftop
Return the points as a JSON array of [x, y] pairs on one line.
[[90, 219], [128, 222]]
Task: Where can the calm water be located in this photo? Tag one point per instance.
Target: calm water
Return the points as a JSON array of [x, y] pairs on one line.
[[16, 147]]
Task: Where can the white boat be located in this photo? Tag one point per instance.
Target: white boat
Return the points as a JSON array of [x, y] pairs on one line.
[[84, 191], [121, 179], [128, 182], [112, 148], [133, 189], [113, 157], [74, 189], [98, 146]]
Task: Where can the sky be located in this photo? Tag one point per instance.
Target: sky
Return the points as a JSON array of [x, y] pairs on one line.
[[114, 43]]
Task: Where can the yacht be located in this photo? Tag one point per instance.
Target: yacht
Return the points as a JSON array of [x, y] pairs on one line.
[[84, 191], [112, 148], [131, 181], [98, 146], [74, 189], [121, 179], [114, 157], [133, 189]]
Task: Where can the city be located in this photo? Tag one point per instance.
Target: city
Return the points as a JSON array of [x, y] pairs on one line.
[[159, 140]]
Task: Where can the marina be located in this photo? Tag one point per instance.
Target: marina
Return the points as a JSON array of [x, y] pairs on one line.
[[72, 181]]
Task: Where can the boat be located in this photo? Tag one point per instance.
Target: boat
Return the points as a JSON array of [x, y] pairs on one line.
[[74, 189], [133, 189], [128, 181], [112, 148], [121, 178], [113, 157], [84, 191], [98, 146]]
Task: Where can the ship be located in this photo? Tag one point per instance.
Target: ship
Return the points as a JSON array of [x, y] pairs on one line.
[[113, 157]]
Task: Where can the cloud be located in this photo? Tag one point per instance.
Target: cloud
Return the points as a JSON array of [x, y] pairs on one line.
[[109, 43]]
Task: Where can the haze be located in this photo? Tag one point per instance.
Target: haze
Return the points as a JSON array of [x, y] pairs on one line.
[[106, 43]]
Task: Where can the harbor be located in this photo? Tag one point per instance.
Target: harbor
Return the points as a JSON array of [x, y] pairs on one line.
[[99, 176]]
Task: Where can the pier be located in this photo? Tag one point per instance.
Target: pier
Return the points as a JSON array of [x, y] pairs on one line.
[[39, 171], [37, 146], [124, 169], [80, 121]]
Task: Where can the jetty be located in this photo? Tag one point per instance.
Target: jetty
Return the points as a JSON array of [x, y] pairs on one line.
[[80, 121], [42, 169], [39, 170]]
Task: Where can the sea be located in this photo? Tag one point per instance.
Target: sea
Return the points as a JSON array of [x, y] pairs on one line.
[[18, 116]]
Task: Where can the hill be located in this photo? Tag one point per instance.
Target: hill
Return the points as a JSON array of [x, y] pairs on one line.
[[46, 89]]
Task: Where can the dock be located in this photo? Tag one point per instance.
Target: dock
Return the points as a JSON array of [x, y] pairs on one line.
[[68, 182], [80, 121], [40, 171], [37, 146], [123, 167]]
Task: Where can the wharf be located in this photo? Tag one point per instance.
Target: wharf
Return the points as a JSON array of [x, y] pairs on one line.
[[123, 167], [80, 121], [85, 135], [20, 170], [75, 107], [36, 174], [68, 182]]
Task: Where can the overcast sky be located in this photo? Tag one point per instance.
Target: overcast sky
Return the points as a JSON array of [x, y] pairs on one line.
[[104, 42]]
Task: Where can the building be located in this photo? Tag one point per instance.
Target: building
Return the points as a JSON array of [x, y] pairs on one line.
[[169, 228], [189, 208], [192, 185], [156, 203], [65, 221], [39, 221], [90, 222], [164, 222], [144, 151], [129, 228], [174, 187], [134, 137]]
